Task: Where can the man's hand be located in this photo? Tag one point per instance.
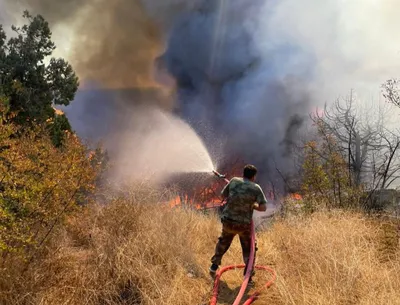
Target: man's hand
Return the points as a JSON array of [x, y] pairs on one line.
[[260, 208]]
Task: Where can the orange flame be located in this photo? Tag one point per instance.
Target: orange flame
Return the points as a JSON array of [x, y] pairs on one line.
[[177, 202], [296, 196]]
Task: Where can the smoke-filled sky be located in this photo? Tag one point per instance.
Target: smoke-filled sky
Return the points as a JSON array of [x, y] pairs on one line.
[[111, 42], [338, 44], [248, 70]]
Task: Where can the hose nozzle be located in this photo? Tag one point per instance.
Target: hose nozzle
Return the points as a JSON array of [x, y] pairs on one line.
[[218, 174]]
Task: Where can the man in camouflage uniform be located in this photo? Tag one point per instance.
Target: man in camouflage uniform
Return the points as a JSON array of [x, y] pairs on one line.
[[243, 196]]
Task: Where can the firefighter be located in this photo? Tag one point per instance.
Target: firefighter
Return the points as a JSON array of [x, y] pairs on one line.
[[242, 196]]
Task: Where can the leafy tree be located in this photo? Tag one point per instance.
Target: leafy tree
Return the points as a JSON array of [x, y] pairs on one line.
[[31, 85]]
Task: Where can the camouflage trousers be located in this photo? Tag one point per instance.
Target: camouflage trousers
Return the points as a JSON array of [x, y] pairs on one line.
[[229, 231]]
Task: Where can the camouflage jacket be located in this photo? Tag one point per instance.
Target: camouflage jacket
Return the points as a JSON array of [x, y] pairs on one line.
[[241, 194]]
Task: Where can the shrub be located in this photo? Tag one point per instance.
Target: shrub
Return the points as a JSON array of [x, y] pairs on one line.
[[39, 183]]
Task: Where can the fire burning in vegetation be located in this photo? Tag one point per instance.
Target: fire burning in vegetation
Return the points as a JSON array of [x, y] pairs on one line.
[[197, 190], [202, 191], [185, 201]]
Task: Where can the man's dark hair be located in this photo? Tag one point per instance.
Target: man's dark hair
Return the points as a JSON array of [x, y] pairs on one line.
[[249, 171]]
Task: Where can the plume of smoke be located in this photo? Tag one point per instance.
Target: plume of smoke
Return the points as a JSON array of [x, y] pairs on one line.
[[113, 41], [225, 78], [55, 11], [99, 114], [254, 69], [248, 70]]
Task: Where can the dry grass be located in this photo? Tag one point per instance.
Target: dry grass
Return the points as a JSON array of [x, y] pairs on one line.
[[134, 253]]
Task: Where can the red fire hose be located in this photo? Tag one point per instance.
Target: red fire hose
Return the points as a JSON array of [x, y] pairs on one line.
[[249, 270]]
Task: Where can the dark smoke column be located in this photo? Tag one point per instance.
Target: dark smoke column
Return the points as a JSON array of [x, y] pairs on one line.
[[229, 81]]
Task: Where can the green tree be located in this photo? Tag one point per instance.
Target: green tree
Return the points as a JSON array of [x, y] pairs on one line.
[[57, 129], [32, 83]]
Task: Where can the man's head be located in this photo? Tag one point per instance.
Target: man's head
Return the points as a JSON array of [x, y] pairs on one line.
[[250, 172]]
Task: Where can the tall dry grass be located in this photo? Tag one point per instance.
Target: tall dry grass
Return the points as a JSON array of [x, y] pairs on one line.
[[135, 252], [333, 258]]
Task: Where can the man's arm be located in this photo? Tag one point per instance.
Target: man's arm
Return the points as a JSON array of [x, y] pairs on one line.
[[261, 202], [225, 191]]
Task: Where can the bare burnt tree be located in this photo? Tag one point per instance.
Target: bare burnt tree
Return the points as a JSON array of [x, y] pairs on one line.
[[391, 91], [387, 168], [355, 137], [385, 160], [369, 147]]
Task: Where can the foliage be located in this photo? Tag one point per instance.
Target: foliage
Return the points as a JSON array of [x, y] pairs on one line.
[[327, 181], [32, 85], [39, 183], [45, 172], [57, 127]]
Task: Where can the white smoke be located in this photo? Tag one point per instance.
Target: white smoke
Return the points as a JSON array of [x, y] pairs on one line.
[[353, 44]]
